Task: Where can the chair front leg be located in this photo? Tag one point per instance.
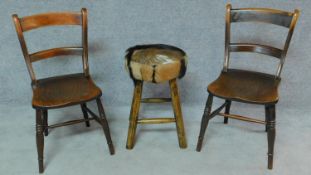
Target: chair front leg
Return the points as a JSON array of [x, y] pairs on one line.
[[40, 138], [85, 114], [227, 110], [204, 122], [45, 122], [266, 116], [270, 110], [105, 125]]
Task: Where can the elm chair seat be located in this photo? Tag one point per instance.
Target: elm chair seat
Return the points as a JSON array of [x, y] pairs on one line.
[[156, 63], [246, 86], [63, 91]]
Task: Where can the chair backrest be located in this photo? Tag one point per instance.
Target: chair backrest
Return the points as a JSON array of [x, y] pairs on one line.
[[271, 16], [52, 19]]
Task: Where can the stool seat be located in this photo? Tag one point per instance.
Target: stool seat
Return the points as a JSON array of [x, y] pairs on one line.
[[156, 62]]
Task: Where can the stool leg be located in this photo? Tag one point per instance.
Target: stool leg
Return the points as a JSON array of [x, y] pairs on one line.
[[134, 114], [178, 114]]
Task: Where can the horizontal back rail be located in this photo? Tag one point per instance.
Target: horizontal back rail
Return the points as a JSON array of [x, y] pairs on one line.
[[62, 51], [50, 19], [271, 16], [262, 49]]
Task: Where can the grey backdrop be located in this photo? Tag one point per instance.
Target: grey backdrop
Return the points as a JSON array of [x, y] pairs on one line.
[[114, 25], [197, 26]]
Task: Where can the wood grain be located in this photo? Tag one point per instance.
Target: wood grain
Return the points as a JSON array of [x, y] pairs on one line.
[[50, 19], [65, 90], [249, 86]]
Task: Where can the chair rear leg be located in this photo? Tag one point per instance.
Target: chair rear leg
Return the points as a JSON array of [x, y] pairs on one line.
[[40, 138], [45, 122], [227, 111], [85, 114], [205, 119], [271, 133], [105, 125]]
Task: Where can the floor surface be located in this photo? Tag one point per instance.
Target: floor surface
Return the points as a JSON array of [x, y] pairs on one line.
[[238, 148]]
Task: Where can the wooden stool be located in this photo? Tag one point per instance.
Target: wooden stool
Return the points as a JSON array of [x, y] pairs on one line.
[[155, 63]]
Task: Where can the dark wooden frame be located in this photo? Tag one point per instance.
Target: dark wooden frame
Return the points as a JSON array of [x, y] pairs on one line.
[[50, 19], [272, 16]]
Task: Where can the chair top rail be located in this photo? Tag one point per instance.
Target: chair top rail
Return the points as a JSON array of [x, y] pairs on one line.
[[50, 19], [265, 15]]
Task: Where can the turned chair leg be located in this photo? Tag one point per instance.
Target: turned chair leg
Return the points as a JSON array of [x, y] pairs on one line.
[[104, 123], [270, 110], [204, 122], [134, 114], [227, 111], [40, 138], [85, 114], [267, 116], [45, 122], [178, 114]]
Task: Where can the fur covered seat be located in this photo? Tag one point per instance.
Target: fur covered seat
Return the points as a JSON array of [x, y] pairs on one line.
[[156, 63]]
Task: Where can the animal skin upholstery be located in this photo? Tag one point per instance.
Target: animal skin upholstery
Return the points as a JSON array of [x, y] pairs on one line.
[[155, 63]]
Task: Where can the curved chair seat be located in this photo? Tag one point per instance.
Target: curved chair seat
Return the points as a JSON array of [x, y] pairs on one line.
[[246, 86], [156, 63], [64, 91]]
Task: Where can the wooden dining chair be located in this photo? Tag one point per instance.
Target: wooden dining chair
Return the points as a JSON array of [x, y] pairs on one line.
[[249, 86], [60, 91]]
